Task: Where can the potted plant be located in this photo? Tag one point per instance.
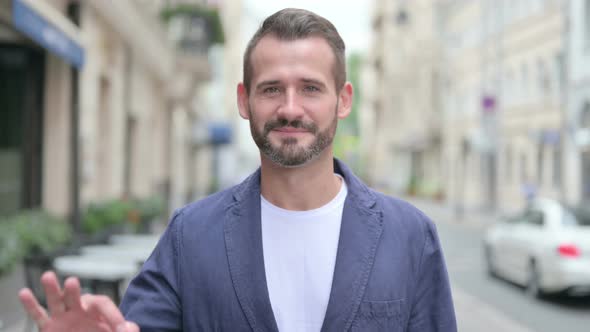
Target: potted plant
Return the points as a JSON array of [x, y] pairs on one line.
[[105, 218], [34, 237], [10, 247], [145, 211]]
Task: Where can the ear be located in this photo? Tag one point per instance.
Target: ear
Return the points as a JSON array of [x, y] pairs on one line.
[[345, 100], [243, 101]]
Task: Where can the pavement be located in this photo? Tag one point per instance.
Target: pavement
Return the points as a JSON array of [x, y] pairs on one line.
[[472, 313], [20, 326]]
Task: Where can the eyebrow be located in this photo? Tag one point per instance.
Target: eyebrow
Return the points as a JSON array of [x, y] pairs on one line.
[[275, 82], [266, 83], [313, 81]]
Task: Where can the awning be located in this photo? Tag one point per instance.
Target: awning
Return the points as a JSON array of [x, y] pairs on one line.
[[50, 28]]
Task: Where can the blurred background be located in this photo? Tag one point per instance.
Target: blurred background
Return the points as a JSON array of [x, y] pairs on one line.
[[114, 113]]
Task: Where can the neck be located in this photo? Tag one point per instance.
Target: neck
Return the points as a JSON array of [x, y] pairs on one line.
[[301, 188]]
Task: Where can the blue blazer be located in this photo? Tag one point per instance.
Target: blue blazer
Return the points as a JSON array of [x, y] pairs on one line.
[[207, 271]]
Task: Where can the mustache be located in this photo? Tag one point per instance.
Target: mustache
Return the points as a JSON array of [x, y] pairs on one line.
[[280, 123]]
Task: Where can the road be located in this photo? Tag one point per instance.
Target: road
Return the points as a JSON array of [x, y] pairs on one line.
[[463, 251]]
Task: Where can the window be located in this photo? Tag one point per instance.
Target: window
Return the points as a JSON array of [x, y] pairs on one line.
[[559, 77], [508, 164], [542, 79], [581, 215], [535, 217], [523, 170], [540, 163], [524, 84], [557, 167], [509, 87]]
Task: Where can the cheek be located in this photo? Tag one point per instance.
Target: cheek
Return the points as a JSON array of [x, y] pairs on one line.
[[262, 109], [325, 113]]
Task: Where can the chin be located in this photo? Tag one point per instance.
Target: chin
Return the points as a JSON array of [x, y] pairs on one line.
[[294, 165]]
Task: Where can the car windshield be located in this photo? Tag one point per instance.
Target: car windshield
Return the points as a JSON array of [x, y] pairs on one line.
[[577, 216]]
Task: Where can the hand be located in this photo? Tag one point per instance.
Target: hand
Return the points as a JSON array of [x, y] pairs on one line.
[[71, 312]]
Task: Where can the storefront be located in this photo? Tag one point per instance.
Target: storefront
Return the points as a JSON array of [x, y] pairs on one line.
[[40, 54]]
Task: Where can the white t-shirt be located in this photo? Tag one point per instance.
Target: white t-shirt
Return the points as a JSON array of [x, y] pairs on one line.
[[299, 257]]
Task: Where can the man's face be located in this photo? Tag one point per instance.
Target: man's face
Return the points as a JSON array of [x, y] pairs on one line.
[[292, 105]]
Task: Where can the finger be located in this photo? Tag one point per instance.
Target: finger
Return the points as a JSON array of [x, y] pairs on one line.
[[103, 307], [33, 308], [127, 327], [53, 293], [72, 294]]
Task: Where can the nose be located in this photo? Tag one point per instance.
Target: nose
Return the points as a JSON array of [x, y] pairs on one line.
[[291, 107]]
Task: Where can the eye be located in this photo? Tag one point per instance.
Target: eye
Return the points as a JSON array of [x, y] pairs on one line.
[[310, 88], [271, 90]]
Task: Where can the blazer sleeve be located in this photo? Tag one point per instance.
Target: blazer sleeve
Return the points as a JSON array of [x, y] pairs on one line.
[[432, 306], [152, 299]]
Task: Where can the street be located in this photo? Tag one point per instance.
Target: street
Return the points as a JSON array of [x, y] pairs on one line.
[[504, 303]]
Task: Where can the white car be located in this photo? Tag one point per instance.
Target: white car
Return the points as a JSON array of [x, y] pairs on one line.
[[546, 248]]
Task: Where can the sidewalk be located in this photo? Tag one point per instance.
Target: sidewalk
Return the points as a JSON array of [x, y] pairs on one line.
[[18, 327], [474, 315], [441, 212]]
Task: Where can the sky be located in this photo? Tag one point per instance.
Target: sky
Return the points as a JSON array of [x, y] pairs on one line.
[[351, 17]]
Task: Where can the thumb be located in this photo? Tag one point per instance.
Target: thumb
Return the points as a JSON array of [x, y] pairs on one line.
[[127, 327]]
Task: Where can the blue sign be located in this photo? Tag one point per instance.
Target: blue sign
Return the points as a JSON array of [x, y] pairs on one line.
[[550, 137], [219, 133], [29, 22]]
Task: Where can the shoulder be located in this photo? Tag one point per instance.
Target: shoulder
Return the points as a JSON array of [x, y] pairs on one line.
[[400, 215], [206, 210]]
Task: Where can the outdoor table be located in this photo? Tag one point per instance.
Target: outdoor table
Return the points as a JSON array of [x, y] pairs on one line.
[[133, 253], [99, 271], [135, 239]]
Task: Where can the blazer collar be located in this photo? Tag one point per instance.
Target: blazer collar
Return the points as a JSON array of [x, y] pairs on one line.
[[359, 236], [360, 233]]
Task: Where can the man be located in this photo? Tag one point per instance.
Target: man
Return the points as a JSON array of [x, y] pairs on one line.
[[300, 245]]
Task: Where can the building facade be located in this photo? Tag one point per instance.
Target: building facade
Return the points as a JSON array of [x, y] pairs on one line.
[[505, 96], [102, 108], [577, 134], [401, 113]]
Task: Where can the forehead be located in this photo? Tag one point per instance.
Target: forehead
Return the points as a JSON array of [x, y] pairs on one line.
[[275, 59]]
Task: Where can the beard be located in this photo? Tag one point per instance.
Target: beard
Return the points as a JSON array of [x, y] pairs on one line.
[[290, 153]]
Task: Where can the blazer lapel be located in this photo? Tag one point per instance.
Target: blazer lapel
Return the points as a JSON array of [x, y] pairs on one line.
[[243, 241], [360, 233]]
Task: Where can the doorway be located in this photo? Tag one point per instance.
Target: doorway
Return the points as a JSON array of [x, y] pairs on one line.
[[21, 127]]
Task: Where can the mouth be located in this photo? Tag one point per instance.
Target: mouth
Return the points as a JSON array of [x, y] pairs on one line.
[[290, 133], [290, 130]]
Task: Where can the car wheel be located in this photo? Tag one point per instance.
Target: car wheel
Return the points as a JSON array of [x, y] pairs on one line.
[[533, 286]]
